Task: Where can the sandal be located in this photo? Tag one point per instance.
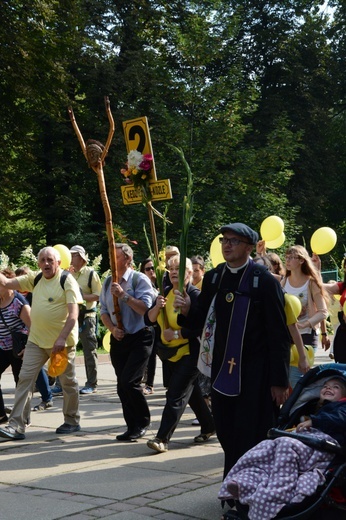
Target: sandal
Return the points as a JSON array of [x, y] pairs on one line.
[[148, 390], [43, 405], [203, 437]]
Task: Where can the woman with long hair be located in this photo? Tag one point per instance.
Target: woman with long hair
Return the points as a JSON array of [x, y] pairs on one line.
[[304, 281]]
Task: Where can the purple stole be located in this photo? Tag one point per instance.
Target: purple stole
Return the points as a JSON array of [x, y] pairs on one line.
[[228, 380]]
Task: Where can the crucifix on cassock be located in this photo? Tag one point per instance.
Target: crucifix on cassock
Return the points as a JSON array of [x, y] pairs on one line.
[[231, 363]]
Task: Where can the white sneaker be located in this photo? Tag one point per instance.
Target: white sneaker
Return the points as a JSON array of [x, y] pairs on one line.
[[157, 445]]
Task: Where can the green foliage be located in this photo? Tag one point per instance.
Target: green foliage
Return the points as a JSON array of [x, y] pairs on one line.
[[254, 92]]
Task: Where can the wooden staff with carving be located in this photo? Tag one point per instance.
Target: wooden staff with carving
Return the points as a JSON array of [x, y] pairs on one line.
[[95, 153]]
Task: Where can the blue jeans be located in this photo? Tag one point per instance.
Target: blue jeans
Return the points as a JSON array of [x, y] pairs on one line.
[[43, 387]]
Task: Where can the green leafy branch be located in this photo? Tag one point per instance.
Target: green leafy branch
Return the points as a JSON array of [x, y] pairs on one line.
[[186, 218]]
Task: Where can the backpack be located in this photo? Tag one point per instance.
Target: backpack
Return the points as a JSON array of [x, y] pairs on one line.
[[90, 278], [134, 281], [81, 306], [63, 277]]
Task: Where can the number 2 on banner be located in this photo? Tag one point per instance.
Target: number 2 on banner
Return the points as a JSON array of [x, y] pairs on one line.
[[137, 137]]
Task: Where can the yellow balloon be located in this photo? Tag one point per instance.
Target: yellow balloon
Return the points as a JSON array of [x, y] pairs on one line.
[[274, 244], [323, 240], [344, 308], [294, 304], [271, 228], [106, 342], [310, 354], [216, 252], [294, 356], [65, 255]]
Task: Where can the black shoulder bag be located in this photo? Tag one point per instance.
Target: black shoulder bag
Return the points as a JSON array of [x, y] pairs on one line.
[[19, 339]]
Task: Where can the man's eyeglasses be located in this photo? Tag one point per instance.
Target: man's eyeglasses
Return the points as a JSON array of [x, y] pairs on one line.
[[146, 269], [231, 241]]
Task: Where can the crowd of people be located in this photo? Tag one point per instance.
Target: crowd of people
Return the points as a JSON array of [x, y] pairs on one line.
[[242, 309]]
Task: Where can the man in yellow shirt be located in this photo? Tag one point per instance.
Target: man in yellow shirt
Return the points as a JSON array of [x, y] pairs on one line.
[[90, 284], [54, 327]]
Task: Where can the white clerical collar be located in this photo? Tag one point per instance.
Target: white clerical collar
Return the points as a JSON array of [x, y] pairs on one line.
[[235, 270]]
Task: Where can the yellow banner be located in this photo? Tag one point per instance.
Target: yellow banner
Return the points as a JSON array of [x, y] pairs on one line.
[[137, 137], [160, 190]]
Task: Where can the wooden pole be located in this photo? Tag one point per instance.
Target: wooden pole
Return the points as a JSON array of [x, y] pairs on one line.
[[96, 164]]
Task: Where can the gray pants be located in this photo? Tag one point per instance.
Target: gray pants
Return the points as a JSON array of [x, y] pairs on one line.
[[89, 343], [34, 358]]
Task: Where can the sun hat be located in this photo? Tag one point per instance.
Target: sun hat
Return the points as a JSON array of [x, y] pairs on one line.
[[57, 363], [81, 251]]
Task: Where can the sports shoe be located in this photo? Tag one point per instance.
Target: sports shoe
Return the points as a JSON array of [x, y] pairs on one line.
[[88, 390], [68, 428], [9, 433], [195, 422], [56, 390], [158, 445]]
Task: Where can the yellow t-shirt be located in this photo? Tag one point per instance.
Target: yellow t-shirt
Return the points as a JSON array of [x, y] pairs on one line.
[[49, 308], [172, 317], [82, 278]]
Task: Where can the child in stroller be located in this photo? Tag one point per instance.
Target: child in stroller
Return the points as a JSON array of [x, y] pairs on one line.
[[291, 466]]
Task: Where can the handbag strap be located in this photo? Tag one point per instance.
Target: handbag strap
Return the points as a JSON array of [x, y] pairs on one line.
[[3, 319]]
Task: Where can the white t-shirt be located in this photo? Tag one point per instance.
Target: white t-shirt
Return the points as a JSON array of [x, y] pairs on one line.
[[302, 294]]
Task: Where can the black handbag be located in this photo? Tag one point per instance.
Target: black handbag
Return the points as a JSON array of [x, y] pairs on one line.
[[19, 339]]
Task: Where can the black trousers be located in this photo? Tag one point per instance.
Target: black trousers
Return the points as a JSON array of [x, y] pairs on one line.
[[129, 358], [7, 359], [180, 378]]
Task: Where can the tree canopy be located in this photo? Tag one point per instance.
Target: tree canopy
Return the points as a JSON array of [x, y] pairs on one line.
[[253, 92]]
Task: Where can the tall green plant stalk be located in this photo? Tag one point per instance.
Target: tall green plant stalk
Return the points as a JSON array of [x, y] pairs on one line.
[[159, 263], [186, 218]]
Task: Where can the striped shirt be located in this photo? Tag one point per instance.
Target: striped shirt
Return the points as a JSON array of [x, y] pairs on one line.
[[11, 314]]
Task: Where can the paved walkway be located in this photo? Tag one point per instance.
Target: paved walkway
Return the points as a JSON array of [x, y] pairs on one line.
[[90, 475]]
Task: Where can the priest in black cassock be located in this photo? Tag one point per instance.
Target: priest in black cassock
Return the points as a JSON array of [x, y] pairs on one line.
[[243, 307]]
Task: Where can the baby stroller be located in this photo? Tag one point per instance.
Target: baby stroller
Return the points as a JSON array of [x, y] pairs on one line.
[[329, 500]]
